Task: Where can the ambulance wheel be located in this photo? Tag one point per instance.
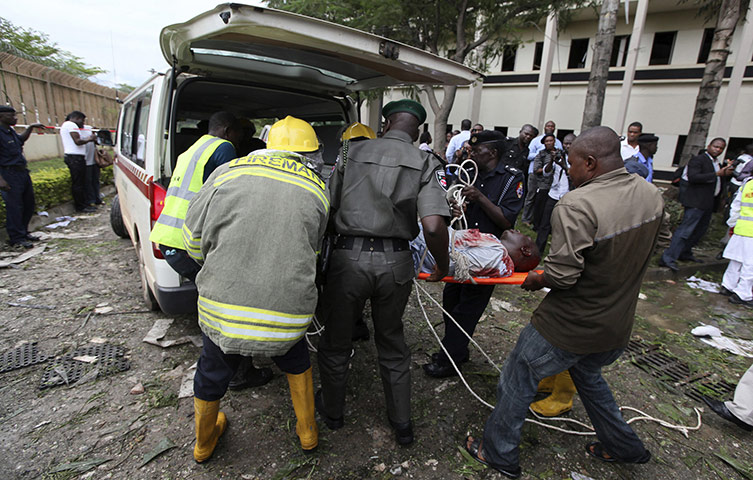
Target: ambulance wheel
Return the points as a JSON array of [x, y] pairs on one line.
[[116, 219], [146, 291]]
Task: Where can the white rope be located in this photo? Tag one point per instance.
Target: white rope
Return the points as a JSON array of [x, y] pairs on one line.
[[539, 419]]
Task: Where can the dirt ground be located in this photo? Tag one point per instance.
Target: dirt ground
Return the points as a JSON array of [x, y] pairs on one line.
[[97, 430]]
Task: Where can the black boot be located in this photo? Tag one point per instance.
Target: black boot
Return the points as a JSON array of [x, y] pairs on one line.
[[249, 376]]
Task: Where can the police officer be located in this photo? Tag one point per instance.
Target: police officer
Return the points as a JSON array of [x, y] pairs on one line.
[[191, 170], [493, 204], [15, 182], [377, 194]]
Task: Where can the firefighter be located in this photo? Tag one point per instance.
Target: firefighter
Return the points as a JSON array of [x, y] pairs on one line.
[[192, 169], [256, 226]]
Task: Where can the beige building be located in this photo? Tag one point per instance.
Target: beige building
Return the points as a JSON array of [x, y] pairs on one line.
[[667, 65]]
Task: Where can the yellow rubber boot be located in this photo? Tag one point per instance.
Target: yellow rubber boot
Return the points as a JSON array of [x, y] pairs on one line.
[[546, 384], [302, 395], [210, 425], [561, 399]]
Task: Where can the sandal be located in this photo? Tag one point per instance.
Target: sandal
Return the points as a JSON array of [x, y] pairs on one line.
[[596, 450], [473, 447]]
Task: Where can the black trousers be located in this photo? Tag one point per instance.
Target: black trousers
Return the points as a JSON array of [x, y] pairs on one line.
[[466, 304], [77, 167], [92, 184], [216, 368], [539, 201], [385, 279], [545, 225], [19, 202]]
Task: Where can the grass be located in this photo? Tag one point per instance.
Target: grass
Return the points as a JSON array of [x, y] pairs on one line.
[[37, 165]]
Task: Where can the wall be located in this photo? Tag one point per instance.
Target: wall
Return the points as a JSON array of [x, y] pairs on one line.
[[41, 94]]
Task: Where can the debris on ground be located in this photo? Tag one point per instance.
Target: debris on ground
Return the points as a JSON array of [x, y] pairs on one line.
[[137, 389], [21, 356], [700, 284], [63, 221], [110, 359], [186, 385], [164, 445], [711, 335], [498, 305], [159, 330], [23, 257]]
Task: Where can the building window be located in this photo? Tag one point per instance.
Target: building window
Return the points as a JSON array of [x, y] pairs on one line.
[[537, 53], [619, 50], [501, 129], [508, 57], [661, 51], [563, 132], [578, 52], [708, 37]]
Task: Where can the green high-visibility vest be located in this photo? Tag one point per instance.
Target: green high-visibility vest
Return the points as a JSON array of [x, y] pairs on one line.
[[744, 225], [187, 179]]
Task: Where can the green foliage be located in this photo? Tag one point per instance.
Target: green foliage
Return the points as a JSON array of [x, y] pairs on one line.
[[52, 186], [472, 32], [37, 47]]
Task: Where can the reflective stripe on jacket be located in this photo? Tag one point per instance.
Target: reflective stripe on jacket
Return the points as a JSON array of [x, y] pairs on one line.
[[184, 184], [256, 226], [744, 225]]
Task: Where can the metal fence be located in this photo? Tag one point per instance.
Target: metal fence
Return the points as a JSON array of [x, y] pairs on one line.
[[42, 94]]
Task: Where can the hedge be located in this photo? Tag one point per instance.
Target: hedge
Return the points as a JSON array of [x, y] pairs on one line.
[[52, 186]]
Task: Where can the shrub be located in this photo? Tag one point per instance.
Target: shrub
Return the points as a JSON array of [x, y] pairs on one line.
[[52, 187]]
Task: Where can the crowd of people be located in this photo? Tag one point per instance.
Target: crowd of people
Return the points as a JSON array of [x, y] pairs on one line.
[[344, 239]]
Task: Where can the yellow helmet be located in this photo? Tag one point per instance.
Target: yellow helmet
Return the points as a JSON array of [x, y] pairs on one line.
[[356, 130], [293, 135]]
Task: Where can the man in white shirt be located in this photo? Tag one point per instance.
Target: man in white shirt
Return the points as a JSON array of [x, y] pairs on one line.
[[629, 145], [534, 148], [457, 141], [74, 147]]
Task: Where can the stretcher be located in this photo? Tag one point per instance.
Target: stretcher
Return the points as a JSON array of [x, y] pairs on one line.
[[516, 278]]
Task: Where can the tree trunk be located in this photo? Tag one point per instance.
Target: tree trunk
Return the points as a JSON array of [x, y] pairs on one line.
[[441, 114], [729, 14], [597, 80]]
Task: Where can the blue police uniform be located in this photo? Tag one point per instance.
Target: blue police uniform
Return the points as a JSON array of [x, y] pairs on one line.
[[504, 186], [19, 200]]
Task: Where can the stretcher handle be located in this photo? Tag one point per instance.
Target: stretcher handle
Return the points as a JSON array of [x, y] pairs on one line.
[[517, 278]]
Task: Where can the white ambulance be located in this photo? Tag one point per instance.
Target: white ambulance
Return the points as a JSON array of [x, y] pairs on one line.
[[259, 64]]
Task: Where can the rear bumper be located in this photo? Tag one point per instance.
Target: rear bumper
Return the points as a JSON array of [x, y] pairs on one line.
[[177, 300]]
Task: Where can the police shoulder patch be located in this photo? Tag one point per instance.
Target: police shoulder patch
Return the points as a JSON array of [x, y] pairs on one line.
[[519, 190], [441, 179]]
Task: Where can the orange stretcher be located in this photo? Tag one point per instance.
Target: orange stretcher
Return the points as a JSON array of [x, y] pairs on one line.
[[516, 278]]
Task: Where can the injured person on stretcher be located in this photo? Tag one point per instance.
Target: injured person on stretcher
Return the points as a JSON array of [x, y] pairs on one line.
[[475, 254]]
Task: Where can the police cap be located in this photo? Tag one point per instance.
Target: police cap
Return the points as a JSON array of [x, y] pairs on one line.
[[488, 136], [7, 109], [405, 105], [647, 138]]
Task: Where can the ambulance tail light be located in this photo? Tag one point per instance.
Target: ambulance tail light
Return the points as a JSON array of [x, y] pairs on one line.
[[157, 194]]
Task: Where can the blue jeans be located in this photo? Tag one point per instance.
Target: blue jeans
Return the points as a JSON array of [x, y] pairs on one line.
[[693, 227], [533, 359]]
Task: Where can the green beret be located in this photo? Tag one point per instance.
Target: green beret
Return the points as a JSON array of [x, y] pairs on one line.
[[405, 105]]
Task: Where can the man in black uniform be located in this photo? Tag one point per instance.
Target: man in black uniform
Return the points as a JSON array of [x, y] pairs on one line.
[[15, 182], [377, 192], [515, 152], [493, 204]]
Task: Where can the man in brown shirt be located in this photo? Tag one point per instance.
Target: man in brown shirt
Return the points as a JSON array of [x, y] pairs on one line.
[[603, 233]]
